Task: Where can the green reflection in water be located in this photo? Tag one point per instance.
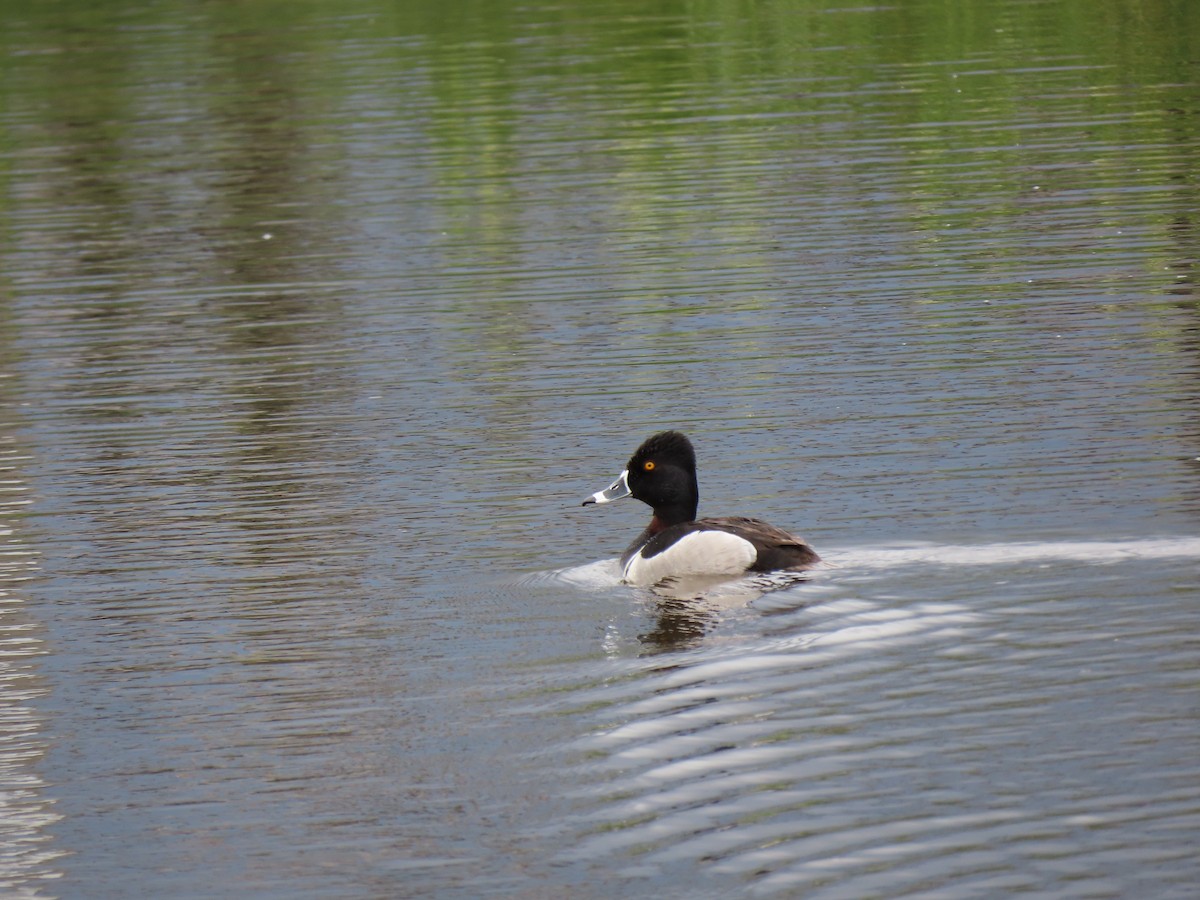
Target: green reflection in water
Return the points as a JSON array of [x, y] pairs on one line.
[[478, 159]]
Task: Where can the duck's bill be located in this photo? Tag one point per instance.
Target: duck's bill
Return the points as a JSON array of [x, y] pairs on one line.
[[615, 491]]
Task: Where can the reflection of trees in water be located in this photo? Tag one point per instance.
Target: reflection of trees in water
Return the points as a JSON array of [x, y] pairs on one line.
[[1184, 229], [1183, 235]]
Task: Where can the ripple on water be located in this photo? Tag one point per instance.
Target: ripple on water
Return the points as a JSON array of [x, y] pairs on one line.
[[859, 746]]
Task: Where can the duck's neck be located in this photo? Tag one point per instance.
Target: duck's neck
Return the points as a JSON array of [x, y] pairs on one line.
[[676, 514]]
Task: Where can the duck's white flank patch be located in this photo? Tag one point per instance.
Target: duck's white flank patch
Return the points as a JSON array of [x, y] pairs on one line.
[[698, 553]]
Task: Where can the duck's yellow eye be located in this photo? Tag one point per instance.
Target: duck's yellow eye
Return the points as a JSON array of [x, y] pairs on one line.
[[648, 465]]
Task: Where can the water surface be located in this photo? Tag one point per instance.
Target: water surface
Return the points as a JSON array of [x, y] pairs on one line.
[[317, 324]]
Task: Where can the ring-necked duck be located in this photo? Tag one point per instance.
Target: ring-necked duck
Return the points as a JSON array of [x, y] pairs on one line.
[[662, 474]]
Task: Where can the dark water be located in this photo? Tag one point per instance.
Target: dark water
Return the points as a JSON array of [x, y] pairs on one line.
[[318, 321]]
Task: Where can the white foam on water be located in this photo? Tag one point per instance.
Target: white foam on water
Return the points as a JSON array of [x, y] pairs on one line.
[[1095, 552]]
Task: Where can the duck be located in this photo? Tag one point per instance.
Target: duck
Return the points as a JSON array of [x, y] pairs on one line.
[[662, 474]]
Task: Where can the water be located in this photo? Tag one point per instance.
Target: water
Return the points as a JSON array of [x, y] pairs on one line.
[[317, 324]]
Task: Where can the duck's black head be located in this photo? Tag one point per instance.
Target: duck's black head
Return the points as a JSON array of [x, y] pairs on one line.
[[662, 474]]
